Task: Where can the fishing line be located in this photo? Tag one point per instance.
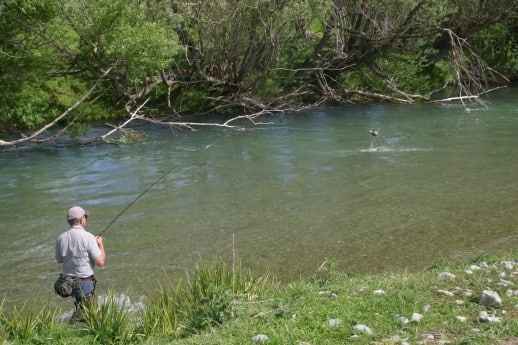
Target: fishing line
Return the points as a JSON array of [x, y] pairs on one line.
[[155, 183]]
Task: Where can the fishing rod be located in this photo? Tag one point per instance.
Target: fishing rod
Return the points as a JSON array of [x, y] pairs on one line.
[[154, 184]]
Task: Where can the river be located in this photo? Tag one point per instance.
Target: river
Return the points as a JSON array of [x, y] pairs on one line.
[[439, 181]]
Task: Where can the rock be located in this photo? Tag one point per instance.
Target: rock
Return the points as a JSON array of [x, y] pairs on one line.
[[416, 317], [379, 292], [446, 276], [363, 329], [260, 339], [461, 318], [403, 320], [504, 283], [508, 265], [459, 302], [446, 293], [490, 299], [474, 268], [484, 317], [427, 307]]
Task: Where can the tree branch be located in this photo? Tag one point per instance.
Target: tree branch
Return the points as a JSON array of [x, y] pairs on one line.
[[38, 132]]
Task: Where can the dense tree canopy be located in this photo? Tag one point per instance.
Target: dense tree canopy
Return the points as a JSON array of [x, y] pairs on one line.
[[64, 63]]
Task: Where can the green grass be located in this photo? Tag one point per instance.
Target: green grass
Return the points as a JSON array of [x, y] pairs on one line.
[[219, 304]]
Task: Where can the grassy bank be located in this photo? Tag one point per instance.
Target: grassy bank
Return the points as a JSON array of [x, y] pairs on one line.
[[218, 305]]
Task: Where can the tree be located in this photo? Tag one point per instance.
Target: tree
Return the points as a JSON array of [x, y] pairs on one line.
[[66, 62]]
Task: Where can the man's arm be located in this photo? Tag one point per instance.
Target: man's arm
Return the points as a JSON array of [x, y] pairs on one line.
[[60, 259], [99, 260]]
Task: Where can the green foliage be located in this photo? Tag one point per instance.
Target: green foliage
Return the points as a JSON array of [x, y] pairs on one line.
[[118, 31], [161, 315], [216, 54], [28, 324], [243, 305], [111, 322], [211, 293], [498, 45]]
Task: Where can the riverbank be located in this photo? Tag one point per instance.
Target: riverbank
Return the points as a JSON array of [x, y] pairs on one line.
[[473, 302]]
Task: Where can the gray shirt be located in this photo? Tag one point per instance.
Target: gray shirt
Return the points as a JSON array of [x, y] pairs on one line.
[[77, 248]]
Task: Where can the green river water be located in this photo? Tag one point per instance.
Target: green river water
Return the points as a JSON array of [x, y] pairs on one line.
[[440, 181]]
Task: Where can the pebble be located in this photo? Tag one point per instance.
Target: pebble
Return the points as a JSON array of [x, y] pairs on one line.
[[485, 317], [446, 293], [416, 317], [490, 299], [363, 329], [508, 265], [403, 320], [504, 283], [446, 276], [379, 292], [260, 339], [461, 318]]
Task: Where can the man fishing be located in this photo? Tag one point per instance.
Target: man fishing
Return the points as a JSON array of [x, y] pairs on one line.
[[80, 251]]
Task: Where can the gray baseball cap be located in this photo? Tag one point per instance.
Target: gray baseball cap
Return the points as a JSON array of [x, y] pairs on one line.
[[76, 212]]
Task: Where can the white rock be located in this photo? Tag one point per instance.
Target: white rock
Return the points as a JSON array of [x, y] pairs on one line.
[[468, 293], [474, 268], [260, 339], [334, 322], [508, 265], [483, 265], [468, 272], [363, 329], [484, 317], [459, 302], [494, 319], [490, 299], [427, 307], [327, 294], [379, 292], [505, 283], [446, 275], [461, 318], [416, 317], [403, 320], [446, 293]]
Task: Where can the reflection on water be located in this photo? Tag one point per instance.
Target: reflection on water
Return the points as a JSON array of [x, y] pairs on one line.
[[437, 182]]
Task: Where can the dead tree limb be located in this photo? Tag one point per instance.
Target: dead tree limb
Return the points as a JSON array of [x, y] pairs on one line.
[[472, 74], [34, 135]]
